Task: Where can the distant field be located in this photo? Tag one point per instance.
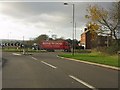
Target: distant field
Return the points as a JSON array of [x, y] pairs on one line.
[[96, 58]]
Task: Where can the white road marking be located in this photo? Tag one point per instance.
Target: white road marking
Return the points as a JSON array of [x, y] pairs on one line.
[[34, 58], [49, 64], [16, 54], [84, 83]]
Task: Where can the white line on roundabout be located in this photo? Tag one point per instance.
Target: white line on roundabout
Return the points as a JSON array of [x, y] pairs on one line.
[[16, 54], [34, 58], [82, 82], [49, 64]]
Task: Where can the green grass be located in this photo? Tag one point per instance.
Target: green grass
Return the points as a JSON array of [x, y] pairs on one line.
[[96, 58]]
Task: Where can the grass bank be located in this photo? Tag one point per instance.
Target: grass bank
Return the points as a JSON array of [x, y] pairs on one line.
[[96, 58]]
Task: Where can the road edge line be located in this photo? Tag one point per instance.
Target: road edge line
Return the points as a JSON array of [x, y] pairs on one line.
[[92, 63]]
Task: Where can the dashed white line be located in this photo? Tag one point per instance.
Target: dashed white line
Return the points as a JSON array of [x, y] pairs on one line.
[[16, 54], [34, 58], [49, 64], [84, 83]]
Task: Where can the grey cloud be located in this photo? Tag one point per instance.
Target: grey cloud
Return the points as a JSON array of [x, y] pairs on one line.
[[33, 8], [52, 15]]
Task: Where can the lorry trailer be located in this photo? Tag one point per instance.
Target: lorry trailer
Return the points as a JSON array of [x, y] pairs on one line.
[[52, 45]]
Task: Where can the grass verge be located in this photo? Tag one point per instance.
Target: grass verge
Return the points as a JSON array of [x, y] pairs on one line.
[[96, 58]]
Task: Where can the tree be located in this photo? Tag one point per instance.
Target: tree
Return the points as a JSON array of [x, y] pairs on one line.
[[93, 28], [69, 41], [41, 37], [54, 36], [103, 17], [109, 22]]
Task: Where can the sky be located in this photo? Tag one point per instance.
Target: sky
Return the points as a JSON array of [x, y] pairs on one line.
[[31, 19]]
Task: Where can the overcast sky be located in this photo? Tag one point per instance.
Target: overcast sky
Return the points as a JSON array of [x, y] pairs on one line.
[[30, 19]]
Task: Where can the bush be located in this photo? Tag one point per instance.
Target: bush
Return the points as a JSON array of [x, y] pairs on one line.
[[112, 49]]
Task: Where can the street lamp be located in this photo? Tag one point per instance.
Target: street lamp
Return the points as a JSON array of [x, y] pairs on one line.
[[73, 11]]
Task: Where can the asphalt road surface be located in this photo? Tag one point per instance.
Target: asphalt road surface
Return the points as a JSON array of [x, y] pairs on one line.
[[46, 70]]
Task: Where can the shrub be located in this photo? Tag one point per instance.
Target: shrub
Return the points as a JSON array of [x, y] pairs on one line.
[[112, 49]]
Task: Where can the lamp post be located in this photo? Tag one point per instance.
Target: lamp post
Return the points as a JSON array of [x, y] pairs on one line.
[[73, 11], [75, 30]]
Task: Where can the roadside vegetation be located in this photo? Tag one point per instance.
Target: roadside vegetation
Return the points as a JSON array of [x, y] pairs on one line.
[[104, 23], [96, 57]]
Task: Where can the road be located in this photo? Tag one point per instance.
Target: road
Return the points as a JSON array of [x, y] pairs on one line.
[[46, 70]]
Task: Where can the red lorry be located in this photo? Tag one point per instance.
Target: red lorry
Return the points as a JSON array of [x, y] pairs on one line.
[[52, 45]]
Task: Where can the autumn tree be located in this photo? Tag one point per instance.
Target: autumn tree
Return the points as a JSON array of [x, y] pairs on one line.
[[93, 28], [108, 22], [104, 18]]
